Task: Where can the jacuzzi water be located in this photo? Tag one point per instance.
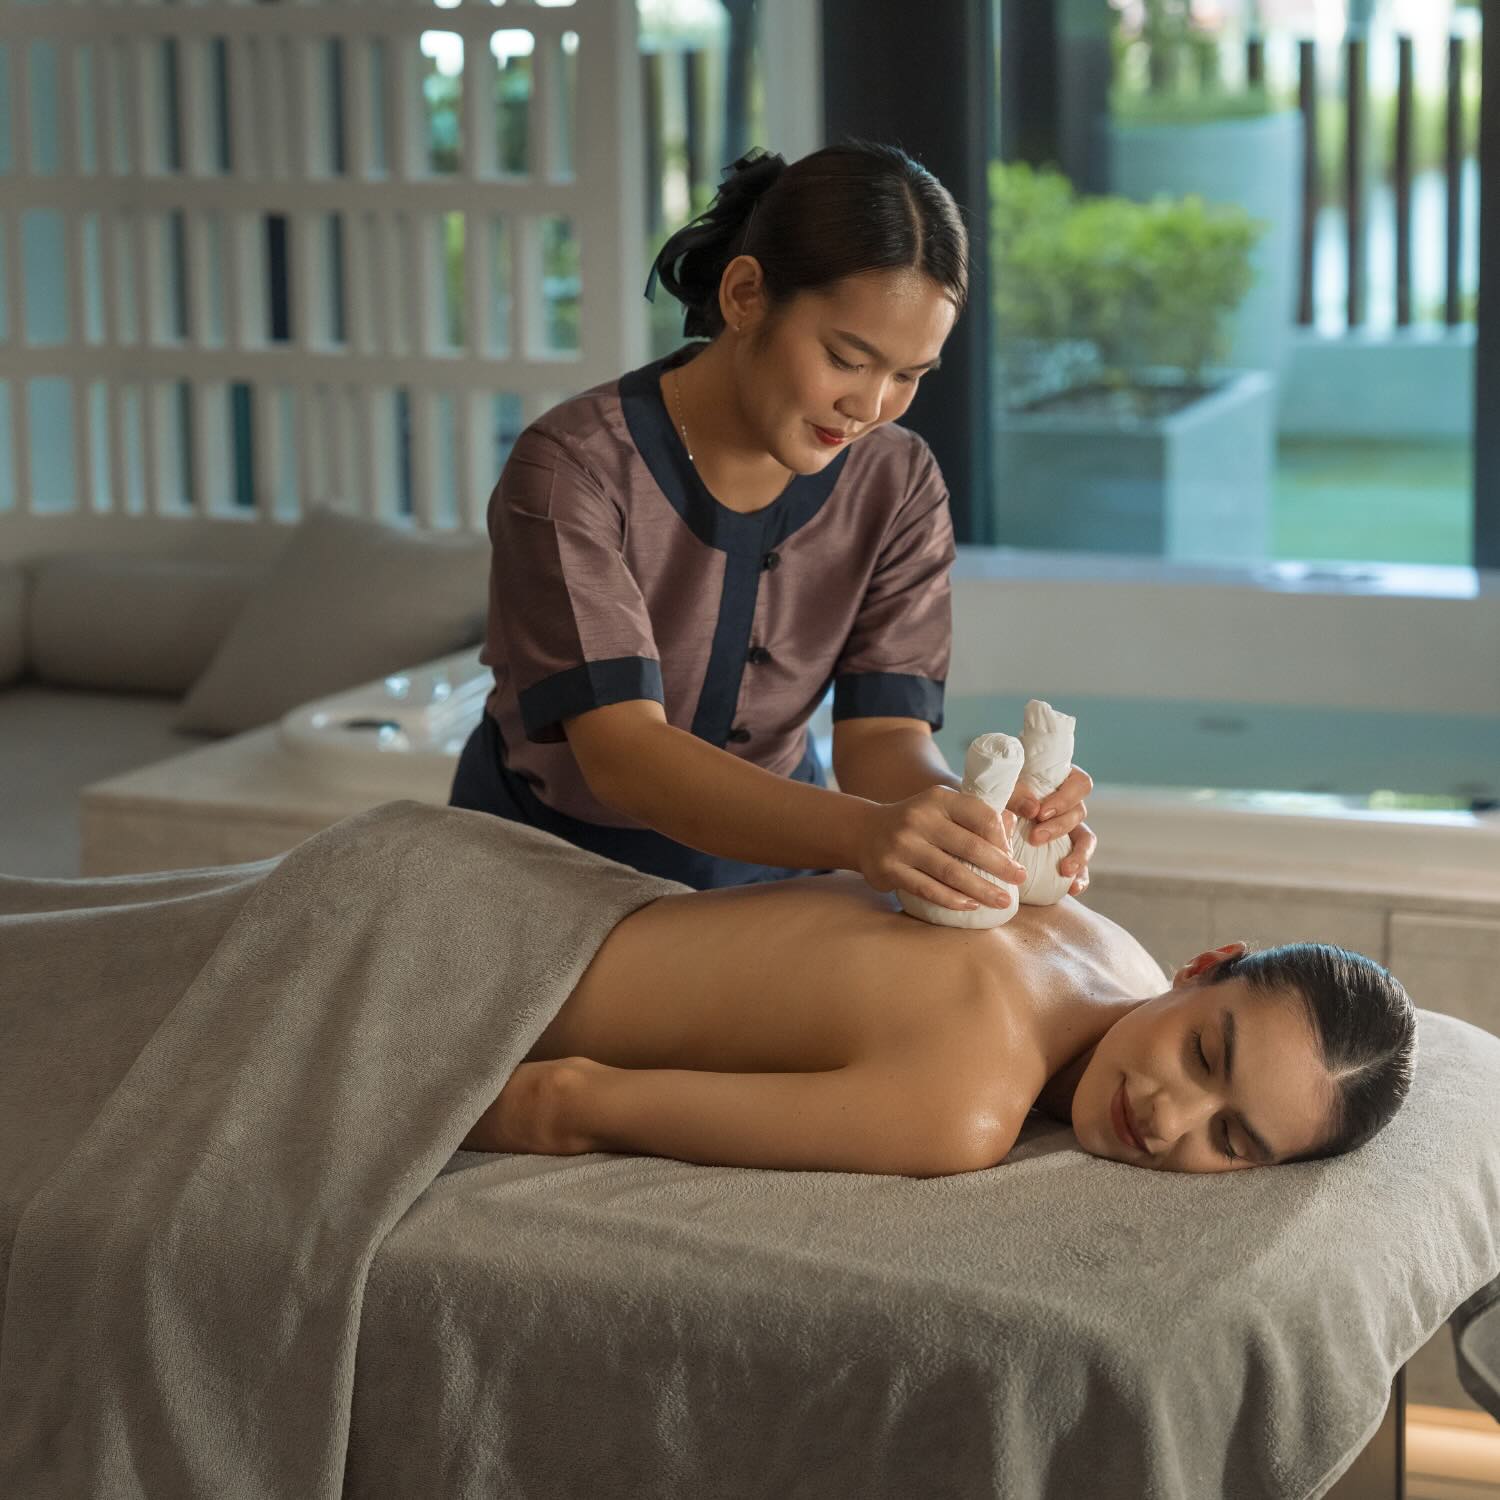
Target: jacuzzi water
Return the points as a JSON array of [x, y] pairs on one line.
[[1382, 759], [1375, 681]]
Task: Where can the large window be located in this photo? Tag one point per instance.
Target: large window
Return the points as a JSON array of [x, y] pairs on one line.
[[1234, 294]]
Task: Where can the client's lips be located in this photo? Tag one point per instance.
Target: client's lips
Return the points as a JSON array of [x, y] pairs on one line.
[[829, 435], [1120, 1118]]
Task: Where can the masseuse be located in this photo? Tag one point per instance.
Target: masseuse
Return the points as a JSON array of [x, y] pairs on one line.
[[686, 557]]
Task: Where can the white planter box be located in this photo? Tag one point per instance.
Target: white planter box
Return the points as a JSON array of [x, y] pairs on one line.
[[1194, 486]]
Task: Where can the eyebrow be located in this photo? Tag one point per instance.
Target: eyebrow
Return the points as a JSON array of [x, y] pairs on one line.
[[1263, 1150], [874, 353]]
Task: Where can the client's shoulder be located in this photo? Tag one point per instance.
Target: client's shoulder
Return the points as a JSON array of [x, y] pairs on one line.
[[1113, 946]]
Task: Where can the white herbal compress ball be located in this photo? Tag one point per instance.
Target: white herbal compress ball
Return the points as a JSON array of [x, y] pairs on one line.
[[1048, 738], [995, 764]]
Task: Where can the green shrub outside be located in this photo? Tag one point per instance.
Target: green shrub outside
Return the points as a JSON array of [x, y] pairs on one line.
[[1144, 286]]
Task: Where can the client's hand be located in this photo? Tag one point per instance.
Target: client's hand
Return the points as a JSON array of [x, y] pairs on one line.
[[1063, 811], [920, 846]]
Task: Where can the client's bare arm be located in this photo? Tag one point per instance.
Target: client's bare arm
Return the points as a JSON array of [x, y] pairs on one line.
[[864, 1117]]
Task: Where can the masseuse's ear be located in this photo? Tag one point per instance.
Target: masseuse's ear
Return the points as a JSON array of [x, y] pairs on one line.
[[1205, 961], [742, 293]]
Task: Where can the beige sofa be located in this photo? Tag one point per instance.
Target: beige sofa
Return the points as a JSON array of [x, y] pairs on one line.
[[110, 662], [96, 654]]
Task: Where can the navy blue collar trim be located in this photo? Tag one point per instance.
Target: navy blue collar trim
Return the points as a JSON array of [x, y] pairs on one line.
[[660, 445]]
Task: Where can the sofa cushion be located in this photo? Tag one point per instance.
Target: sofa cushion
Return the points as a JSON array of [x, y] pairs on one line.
[[346, 601], [131, 624], [12, 621], [57, 741]]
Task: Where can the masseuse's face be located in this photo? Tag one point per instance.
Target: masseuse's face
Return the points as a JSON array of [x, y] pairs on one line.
[[1188, 1113], [847, 358]]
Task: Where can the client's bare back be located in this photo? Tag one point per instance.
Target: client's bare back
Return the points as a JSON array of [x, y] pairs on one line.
[[809, 1023], [797, 976]]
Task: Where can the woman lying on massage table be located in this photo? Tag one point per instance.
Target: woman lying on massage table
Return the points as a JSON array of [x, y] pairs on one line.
[[811, 1024]]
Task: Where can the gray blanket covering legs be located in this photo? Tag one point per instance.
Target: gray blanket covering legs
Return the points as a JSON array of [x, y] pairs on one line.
[[312, 1040]]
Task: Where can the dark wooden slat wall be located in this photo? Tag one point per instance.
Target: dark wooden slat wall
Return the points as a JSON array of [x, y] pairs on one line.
[[930, 89], [1487, 372]]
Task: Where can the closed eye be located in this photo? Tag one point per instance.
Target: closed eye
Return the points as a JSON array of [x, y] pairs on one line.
[[1202, 1057], [843, 364]]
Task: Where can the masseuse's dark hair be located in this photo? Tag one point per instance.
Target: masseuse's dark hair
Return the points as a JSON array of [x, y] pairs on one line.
[[836, 212], [1364, 1022]]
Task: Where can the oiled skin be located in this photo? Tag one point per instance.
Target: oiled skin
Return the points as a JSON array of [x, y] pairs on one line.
[[820, 972]]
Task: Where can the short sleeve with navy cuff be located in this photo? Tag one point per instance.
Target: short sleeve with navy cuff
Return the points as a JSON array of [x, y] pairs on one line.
[[871, 695], [592, 684]]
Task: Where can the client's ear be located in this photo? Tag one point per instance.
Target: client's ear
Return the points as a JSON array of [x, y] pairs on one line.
[[1204, 961]]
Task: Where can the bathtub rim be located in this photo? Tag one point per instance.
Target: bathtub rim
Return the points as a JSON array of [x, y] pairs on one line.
[[1240, 838]]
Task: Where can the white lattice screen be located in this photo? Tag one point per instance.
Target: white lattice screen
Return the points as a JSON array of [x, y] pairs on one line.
[[450, 195]]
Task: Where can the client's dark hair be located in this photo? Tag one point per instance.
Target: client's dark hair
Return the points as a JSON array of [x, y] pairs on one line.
[[1364, 1022], [836, 212]]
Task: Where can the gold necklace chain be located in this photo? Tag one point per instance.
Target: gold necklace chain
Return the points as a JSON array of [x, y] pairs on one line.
[[677, 398]]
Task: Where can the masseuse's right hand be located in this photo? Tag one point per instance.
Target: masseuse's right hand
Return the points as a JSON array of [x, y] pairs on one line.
[[920, 846]]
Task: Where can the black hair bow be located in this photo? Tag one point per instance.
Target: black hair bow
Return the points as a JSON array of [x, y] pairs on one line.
[[747, 178]]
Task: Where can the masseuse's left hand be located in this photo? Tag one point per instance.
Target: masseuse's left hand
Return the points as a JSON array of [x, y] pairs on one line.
[[1061, 812]]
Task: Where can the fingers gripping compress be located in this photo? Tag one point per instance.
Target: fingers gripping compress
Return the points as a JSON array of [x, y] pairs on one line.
[[995, 764]]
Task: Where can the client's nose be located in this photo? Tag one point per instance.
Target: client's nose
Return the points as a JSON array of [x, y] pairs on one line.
[[1172, 1118]]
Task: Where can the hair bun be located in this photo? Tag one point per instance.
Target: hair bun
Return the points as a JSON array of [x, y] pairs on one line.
[[752, 174], [743, 184]]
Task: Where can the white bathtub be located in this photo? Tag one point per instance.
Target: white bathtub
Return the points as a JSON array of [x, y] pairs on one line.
[[411, 722]]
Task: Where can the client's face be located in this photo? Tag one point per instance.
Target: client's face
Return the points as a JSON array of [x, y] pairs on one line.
[[1258, 1074]]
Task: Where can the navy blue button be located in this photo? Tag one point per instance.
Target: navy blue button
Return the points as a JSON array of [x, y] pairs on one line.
[[738, 736], [758, 656], [770, 562]]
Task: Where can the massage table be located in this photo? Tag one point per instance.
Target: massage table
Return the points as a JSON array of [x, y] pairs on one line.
[[244, 1255]]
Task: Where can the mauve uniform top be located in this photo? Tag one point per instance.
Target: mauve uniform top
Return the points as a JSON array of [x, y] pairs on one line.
[[616, 575]]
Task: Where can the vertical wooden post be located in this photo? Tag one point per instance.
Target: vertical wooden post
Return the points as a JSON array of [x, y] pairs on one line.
[[1355, 73], [1454, 165], [1405, 94], [1487, 340], [1307, 70], [651, 85]]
